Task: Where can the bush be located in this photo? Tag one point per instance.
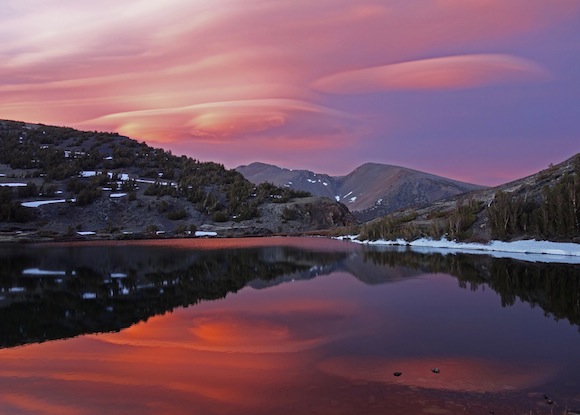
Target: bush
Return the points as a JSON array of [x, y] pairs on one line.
[[289, 213], [88, 195], [177, 214], [220, 216]]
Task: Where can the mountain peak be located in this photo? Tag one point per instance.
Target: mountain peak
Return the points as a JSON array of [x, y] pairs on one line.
[[370, 190]]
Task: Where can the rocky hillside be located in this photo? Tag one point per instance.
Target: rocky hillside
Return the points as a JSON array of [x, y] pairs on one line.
[[57, 181], [370, 191], [545, 205]]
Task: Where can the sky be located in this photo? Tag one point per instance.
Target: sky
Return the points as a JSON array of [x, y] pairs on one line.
[[484, 91]]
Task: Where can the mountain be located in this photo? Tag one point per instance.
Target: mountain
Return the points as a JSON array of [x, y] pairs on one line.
[[57, 181], [545, 205], [370, 191]]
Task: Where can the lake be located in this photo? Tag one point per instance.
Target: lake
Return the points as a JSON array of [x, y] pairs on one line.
[[283, 326]]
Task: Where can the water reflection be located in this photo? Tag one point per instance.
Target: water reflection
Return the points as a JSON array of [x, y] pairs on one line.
[[51, 292], [300, 336], [553, 287]]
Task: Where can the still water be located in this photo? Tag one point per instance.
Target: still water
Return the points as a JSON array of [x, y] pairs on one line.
[[283, 326]]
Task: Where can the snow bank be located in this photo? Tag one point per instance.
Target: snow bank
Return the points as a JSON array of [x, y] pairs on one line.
[[527, 250], [37, 203], [117, 195], [13, 184], [118, 275], [202, 233], [37, 272]]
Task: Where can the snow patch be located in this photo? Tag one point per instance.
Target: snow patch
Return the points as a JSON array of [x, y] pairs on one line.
[[37, 203], [13, 184], [89, 296], [37, 272], [203, 233], [118, 275], [86, 233], [337, 198], [352, 199], [526, 250], [117, 195]]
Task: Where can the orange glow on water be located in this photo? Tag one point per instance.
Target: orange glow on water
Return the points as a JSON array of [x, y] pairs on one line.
[[276, 350]]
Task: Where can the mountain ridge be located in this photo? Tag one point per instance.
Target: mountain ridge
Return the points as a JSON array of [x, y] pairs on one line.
[[544, 205], [369, 191]]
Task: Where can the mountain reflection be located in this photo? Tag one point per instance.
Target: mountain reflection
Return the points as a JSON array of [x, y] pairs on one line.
[[553, 287], [53, 292]]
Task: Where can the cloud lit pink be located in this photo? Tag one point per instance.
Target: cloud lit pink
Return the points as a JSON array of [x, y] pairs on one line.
[[175, 72], [450, 72]]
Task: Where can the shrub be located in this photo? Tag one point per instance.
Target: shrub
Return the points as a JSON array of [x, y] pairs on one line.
[[289, 213], [177, 214], [220, 216]]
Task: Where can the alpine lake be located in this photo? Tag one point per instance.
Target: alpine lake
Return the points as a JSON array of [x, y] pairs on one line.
[[283, 326]]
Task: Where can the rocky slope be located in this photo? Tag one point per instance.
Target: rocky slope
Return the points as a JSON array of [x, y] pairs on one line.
[[370, 191], [545, 205], [57, 182]]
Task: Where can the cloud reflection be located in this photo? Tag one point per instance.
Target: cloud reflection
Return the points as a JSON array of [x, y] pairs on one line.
[[216, 357]]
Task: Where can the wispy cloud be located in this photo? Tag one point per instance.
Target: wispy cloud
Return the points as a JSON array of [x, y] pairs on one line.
[[70, 62], [449, 72]]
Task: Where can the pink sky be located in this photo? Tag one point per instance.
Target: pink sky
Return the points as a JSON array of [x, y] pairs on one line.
[[481, 90]]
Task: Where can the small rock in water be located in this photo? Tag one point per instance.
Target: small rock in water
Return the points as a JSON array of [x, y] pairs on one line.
[[435, 370], [397, 373]]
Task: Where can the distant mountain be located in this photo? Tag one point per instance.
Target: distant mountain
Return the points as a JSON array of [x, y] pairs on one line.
[[545, 205], [370, 191], [60, 182]]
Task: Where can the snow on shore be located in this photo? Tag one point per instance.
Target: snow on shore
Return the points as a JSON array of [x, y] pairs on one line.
[[527, 250], [202, 233]]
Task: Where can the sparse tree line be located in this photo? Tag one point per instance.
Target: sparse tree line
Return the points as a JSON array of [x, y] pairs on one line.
[[40, 151], [453, 225], [553, 214]]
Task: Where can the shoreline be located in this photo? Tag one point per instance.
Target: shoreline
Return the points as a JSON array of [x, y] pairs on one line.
[[527, 250]]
